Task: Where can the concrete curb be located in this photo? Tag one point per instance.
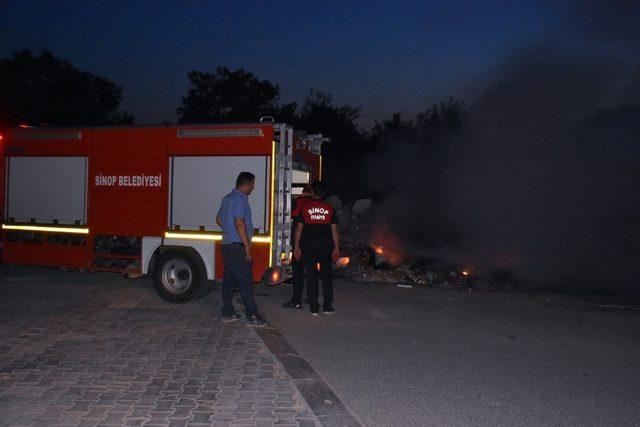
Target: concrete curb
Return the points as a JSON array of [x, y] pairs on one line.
[[319, 396]]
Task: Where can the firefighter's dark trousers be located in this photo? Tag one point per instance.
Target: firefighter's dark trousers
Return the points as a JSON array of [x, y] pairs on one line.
[[316, 252], [237, 272], [297, 270]]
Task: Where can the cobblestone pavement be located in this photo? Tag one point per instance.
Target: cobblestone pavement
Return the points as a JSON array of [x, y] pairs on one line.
[[96, 349]]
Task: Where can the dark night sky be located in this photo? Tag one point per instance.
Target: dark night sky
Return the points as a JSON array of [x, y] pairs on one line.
[[384, 56]]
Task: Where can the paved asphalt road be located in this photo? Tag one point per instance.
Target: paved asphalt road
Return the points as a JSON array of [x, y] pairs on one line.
[[394, 356], [418, 356]]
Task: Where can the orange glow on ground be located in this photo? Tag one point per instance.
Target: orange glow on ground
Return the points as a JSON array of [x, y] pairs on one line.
[[275, 276]]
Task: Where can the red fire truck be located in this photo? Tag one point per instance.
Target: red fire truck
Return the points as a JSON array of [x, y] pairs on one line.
[[143, 199]]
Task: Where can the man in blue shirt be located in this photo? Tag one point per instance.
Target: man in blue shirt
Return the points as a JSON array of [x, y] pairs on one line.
[[234, 218]]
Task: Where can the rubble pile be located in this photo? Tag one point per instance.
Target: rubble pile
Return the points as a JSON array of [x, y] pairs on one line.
[[364, 258]]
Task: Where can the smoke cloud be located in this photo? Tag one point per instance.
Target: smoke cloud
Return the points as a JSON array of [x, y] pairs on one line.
[[542, 179], [608, 20]]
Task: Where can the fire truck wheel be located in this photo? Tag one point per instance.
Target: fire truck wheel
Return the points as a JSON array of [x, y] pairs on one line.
[[177, 276]]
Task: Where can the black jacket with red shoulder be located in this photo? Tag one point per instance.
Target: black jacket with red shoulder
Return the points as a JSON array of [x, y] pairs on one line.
[[317, 217]]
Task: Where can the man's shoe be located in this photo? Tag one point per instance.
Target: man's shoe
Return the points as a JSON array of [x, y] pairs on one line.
[[230, 317], [314, 312], [292, 304], [256, 322], [329, 310]]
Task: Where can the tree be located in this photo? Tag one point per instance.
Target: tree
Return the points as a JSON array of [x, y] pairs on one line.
[[440, 119], [231, 96], [429, 125], [347, 147], [389, 131], [45, 90], [396, 124]]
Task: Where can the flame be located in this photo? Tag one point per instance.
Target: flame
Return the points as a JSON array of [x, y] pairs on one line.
[[385, 242], [275, 276], [342, 261], [318, 266], [465, 273]]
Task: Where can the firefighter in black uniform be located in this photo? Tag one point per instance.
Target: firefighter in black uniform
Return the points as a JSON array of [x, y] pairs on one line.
[[317, 242], [297, 269]]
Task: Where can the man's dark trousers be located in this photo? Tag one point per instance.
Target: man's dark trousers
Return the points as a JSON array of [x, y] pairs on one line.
[[314, 252], [237, 272]]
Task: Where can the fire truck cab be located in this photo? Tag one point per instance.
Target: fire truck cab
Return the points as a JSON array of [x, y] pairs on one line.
[[143, 199]]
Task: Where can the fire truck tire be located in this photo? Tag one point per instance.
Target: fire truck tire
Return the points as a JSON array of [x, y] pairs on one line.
[[178, 276]]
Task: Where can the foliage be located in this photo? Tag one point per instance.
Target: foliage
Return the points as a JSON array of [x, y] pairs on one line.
[[230, 96], [428, 128], [344, 154], [240, 96], [408, 147]]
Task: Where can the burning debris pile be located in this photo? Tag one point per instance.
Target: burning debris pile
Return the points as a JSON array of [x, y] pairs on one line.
[[372, 253], [370, 264]]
